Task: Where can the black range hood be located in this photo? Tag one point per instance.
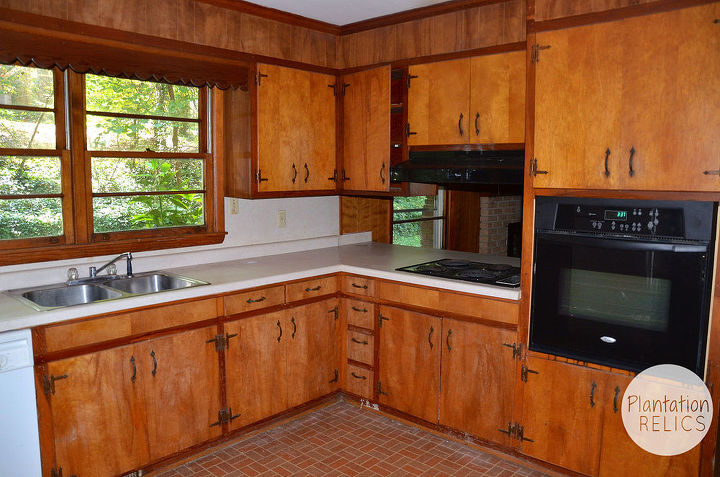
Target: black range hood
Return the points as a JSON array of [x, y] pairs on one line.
[[461, 167]]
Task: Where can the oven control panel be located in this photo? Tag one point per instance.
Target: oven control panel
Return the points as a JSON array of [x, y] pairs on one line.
[[620, 220]]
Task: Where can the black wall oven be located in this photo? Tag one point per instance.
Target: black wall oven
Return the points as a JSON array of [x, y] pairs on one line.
[[623, 283]]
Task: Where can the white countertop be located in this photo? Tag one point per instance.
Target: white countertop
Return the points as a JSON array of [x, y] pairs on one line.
[[370, 259]]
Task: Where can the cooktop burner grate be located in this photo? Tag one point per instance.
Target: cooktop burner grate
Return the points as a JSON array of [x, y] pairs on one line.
[[478, 272]]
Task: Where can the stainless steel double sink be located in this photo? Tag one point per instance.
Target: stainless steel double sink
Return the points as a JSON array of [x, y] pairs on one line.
[[100, 289]]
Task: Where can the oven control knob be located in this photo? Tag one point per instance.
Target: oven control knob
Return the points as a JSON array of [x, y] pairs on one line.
[[600, 224], [612, 225], [656, 221], [650, 225], [634, 211]]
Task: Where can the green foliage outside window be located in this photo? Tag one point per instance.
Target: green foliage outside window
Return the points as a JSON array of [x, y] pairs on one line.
[[414, 234]]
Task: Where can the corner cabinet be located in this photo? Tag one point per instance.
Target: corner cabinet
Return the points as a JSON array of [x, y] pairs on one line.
[[630, 104], [479, 100], [366, 130]]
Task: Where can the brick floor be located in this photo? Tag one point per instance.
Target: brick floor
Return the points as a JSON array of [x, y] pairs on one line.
[[344, 440]]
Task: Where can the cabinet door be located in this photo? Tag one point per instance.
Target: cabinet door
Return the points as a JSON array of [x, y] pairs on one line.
[[409, 362], [478, 379], [497, 98], [255, 367], [619, 455], [578, 99], [366, 130], [438, 103], [671, 105], [562, 414], [316, 129], [98, 416], [312, 351], [280, 117], [182, 382]]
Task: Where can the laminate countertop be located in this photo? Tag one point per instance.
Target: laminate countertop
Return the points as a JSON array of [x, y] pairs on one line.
[[369, 259]]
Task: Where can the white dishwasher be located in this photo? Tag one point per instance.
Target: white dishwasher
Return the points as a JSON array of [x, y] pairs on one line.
[[19, 441]]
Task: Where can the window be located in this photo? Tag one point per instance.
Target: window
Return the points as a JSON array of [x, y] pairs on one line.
[[418, 221], [141, 170]]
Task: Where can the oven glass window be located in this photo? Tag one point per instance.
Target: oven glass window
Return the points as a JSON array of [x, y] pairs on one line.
[[614, 298]]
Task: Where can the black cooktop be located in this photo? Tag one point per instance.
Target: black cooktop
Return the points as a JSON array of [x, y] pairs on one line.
[[477, 272]]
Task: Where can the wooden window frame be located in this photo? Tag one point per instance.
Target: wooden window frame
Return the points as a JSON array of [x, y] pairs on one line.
[[442, 217], [79, 239]]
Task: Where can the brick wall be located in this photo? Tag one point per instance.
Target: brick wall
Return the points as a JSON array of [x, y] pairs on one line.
[[495, 215]]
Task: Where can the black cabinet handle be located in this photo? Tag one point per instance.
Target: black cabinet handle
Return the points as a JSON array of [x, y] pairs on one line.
[[615, 399], [447, 340], [355, 340], [632, 154], [361, 310], [280, 327], [307, 173], [134, 374], [357, 377], [250, 300], [292, 320], [154, 370], [607, 155], [335, 379], [313, 289], [430, 337], [382, 176], [477, 124], [592, 394], [460, 124], [294, 173], [355, 285]]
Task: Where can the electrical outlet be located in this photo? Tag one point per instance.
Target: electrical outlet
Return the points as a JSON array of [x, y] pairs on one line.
[[281, 219], [234, 206]]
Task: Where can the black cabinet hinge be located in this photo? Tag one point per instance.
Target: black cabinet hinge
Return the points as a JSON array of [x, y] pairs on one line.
[[343, 87], [335, 379], [409, 77], [380, 390], [534, 168], [225, 416], [258, 78], [535, 52], [49, 384], [335, 311], [516, 349], [408, 132], [515, 431], [57, 472], [222, 341], [524, 370]]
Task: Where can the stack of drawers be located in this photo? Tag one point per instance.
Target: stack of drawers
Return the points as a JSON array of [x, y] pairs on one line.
[[361, 317]]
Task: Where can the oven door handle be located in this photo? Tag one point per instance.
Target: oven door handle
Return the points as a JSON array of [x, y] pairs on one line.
[[639, 245]]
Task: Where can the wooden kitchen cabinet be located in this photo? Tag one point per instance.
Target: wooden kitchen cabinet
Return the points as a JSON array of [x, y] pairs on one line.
[[619, 455], [295, 120], [477, 100], [563, 414], [366, 130], [256, 367], [630, 104], [98, 412], [477, 380], [409, 341], [182, 389]]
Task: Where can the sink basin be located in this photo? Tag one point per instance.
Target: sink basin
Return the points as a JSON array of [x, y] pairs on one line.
[[69, 295], [142, 284]]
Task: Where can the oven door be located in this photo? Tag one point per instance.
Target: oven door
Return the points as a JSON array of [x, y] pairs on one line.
[[627, 304]]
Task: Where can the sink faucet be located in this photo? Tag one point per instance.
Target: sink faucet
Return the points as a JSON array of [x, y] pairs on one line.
[[127, 255]]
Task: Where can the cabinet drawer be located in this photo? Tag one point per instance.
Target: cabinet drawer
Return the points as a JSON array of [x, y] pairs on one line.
[[254, 300], [479, 307], [360, 313], [311, 288], [358, 285], [409, 295], [359, 381], [360, 347]]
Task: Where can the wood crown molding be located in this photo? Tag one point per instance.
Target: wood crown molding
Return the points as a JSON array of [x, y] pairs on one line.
[[377, 22]]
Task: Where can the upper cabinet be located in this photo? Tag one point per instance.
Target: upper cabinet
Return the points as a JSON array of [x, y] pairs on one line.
[[630, 104], [479, 100], [280, 135], [366, 130]]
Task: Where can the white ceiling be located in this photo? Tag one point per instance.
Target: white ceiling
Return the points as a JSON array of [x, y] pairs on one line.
[[342, 12]]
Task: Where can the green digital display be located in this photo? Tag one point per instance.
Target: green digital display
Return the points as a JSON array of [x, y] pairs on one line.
[[616, 215]]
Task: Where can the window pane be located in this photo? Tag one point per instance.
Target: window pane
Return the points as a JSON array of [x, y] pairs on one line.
[[138, 175], [128, 134], [114, 214], [28, 218], [426, 205], [117, 95], [26, 86], [27, 129], [29, 175], [415, 234]]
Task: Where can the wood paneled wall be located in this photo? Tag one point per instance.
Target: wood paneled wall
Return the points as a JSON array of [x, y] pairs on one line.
[[195, 22], [364, 214], [462, 226], [457, 31], [553, 9]]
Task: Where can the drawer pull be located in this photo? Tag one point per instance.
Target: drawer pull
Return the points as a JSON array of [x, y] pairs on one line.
[[313, 289], [357, 377], [292, 320], [355, 285], [280, 327], [154, 370], [355, 340], [592, 394], [430, 337], [134, 374], [447, 340], [250, 300], [294, 173], [361, 310]]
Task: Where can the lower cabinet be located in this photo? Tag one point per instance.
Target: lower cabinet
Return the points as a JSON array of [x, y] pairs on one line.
[[409, 362], [477, 379], [116, 410]]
